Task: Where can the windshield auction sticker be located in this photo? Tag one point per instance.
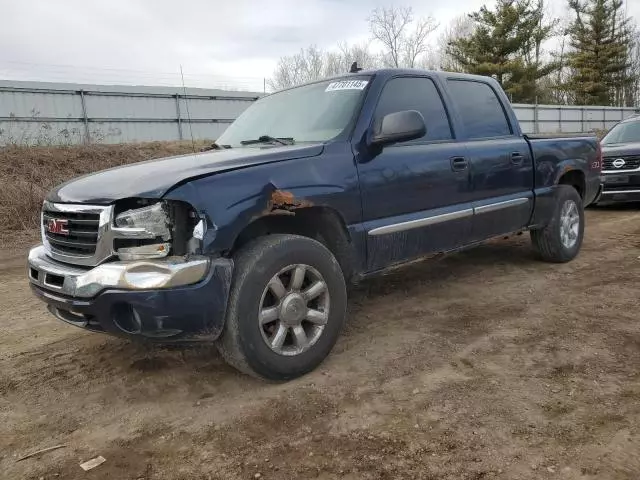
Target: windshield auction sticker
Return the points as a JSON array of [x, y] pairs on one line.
[[347, 85]]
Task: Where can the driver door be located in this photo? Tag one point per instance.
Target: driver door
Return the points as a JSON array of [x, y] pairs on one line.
[[415, 194]]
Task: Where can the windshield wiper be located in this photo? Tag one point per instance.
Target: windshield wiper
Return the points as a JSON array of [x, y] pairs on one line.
[[269, 139], [215, 146]]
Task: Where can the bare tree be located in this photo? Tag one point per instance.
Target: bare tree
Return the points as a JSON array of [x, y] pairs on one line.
[[403, 38], [460, 27], [431, 60], [416, 45], [313, 63], [559, 93], [359, 52], [307, 65], [546, 26]]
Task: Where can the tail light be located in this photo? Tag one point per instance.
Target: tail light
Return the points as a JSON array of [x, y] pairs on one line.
[[597, 163]]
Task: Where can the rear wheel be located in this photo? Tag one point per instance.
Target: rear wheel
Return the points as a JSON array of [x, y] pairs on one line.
[[561, 239], [286, 308]]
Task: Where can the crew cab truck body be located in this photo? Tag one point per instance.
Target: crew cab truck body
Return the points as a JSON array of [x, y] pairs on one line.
[[250, 245]]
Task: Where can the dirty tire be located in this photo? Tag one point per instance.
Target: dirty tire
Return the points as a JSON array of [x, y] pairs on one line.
[[547, 241], [241, 343]]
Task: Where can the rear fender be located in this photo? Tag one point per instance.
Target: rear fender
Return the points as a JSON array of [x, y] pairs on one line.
[[545, 196], [567, 166]]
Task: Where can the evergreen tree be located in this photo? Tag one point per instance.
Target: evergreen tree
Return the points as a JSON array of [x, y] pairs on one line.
[[601, 39], [506, 44]]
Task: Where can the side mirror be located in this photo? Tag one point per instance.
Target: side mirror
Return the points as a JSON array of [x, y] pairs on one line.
[[399, 127]]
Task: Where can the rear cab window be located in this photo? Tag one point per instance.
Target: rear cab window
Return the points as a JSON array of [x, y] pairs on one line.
[[480, 109]]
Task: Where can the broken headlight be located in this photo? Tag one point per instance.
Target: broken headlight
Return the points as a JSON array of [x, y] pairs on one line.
[[153, 220], [147, 231]]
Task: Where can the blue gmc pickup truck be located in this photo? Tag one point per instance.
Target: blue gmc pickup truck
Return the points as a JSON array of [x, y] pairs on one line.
[[250, 245]]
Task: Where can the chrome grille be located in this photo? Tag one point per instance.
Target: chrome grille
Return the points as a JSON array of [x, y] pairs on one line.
[[631, 162], [82, 228], [89, 236], [87, 239]]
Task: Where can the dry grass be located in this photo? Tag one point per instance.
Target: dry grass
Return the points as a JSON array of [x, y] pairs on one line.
[[28, 173]]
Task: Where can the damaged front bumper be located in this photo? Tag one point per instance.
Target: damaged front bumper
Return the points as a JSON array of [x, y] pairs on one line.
[[173, 299]]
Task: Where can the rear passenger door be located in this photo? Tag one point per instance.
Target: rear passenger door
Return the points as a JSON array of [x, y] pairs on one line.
[[500, 160], [414, 192]]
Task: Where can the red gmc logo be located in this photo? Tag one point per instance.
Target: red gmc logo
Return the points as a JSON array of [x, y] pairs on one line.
[[57, 226]]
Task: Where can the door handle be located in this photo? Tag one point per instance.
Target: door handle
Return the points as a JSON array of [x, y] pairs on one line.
[[459, 163], [517, 158]]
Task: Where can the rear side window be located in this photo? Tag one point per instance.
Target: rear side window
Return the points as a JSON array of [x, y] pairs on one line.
[[416, 93], [480, 109]]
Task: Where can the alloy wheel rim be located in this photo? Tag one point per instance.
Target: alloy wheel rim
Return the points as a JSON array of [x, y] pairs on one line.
[[294, 309], [569, 224]]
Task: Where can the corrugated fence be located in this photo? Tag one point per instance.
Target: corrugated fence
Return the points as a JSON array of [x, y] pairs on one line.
[[568, 118], [49, 114], [45, 113]]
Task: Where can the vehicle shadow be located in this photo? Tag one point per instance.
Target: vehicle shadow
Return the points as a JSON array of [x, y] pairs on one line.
[[621, 207], [443, 269], [142, 371], [416, 280]]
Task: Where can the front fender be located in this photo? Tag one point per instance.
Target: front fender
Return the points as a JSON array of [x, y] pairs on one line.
[[232, 200]]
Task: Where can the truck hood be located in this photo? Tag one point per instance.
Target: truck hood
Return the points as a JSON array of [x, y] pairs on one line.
[[621, 149], [153, 178]]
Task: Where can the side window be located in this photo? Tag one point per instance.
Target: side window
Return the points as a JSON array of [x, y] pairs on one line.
[[416, 93], [480, 109]]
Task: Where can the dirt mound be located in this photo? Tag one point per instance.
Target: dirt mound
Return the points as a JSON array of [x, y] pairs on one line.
[[28, 173]]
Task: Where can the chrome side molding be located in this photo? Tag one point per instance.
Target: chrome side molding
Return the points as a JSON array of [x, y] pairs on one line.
[[492, 207], [421, 222], [446, 217], [616, 192]]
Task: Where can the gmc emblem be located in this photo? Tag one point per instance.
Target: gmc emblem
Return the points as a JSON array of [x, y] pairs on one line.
[[57, 226]]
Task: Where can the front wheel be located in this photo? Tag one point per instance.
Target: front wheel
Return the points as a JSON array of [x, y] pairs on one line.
[[561, 239], [286, 308]]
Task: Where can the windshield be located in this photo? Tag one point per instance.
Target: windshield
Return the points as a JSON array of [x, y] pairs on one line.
[[623, 133], [310, 113]]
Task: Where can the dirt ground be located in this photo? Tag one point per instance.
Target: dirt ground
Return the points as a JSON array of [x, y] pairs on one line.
[[485, 364]]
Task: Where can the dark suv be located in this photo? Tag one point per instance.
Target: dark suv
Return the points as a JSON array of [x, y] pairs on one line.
[[621, 168]]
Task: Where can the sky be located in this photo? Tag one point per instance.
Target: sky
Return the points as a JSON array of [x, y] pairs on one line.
[[229, 43]]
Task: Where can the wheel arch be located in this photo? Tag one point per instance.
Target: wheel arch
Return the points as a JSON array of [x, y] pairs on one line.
[[321, 223], [575, 178]]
